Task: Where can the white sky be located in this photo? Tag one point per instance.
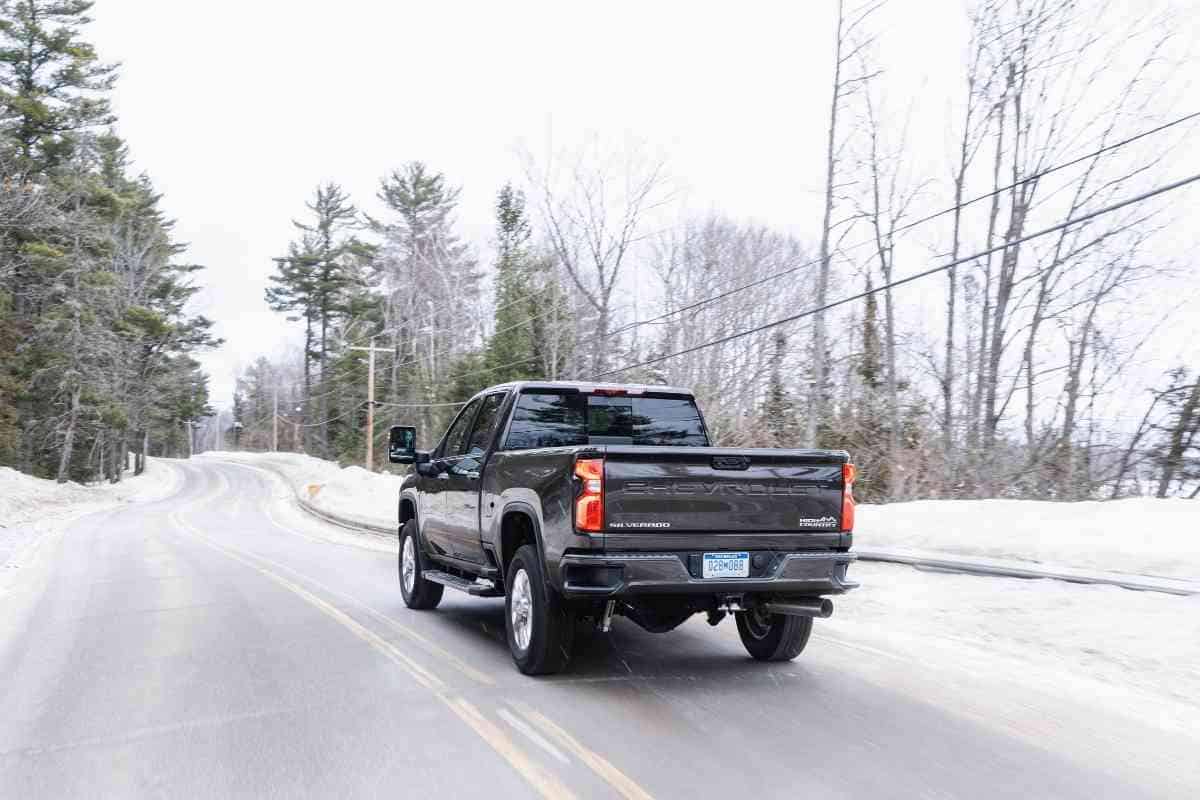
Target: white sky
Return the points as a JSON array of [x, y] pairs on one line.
[[238, 109]]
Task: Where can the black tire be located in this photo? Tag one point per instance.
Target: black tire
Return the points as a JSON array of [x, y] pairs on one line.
[[773, 637], [551, 631], [423, 594]]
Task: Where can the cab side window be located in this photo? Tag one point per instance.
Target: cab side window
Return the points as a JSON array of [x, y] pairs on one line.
[[481, 435], [456, 437]]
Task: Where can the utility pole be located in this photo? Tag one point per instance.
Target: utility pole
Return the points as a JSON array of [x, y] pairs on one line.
[[372, 350], [275, 423]]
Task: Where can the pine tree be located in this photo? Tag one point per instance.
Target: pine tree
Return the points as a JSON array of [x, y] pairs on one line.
[[92, 316], [779, 410], [430, 286], [52, 83], [294, 293], [511, 349]]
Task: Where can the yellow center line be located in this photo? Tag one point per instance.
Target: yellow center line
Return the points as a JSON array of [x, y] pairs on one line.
[[545, 783], [625, 786], [423, 676]]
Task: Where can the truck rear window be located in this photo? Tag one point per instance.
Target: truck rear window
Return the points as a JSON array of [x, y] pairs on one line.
[[568, 419]]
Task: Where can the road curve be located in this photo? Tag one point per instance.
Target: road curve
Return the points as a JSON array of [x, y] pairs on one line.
[[209, 645]]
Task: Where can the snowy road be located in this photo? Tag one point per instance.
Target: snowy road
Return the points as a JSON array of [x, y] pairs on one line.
[[218, 644]]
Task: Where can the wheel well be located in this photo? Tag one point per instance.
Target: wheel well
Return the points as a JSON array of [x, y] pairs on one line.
[[407, 510], [516, 529]]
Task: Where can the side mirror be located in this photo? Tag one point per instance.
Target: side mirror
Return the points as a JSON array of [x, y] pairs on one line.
[[402, 444]]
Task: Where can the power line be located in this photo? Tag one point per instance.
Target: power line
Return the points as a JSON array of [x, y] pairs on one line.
[[353, 410], [908, 226], [909, 279], [419, 405], [445, 309]]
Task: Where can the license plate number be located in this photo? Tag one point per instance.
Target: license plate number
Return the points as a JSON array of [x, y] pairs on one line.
[[726, 565]]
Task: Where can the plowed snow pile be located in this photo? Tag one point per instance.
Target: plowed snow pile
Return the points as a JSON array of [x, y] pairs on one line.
[[30, 505], [349, 492], [1147, 536]]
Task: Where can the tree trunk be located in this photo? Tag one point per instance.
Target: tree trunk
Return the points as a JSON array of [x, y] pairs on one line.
[[817, 410], [985, 316], [64, 459], [1174, 458]]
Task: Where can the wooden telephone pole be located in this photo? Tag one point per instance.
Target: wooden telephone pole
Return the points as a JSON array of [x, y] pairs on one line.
[[372, 350]]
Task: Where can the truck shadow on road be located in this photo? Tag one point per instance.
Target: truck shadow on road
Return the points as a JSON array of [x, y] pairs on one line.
[[695, 651]]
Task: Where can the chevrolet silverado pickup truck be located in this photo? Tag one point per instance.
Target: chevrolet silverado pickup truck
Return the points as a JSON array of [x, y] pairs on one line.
[[580, 502]]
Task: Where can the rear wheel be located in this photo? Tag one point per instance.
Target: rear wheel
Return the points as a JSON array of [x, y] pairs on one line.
[[540, 629], [773, 637], [418, 593]]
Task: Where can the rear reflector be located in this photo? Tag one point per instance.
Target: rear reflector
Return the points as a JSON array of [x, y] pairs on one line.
[[848, 475], [589, 505]]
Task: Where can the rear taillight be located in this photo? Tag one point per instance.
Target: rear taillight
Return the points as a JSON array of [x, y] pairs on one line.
[[848, 473], [589, 505]]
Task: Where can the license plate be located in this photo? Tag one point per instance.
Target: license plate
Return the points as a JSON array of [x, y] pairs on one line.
[[726, 565]]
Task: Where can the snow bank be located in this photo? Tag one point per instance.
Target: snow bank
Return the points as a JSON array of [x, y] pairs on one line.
[[1147, 536], [30, 506], [349, 492], [1106, 643]]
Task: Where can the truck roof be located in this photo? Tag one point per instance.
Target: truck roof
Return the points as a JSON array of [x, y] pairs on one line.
[[589, 386]]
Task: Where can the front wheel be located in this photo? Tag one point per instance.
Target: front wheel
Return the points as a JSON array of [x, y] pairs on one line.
[[540, 629], [418, 593], [773, 637]]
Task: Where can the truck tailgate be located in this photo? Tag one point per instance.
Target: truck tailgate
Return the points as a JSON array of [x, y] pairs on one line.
[[709, 490]]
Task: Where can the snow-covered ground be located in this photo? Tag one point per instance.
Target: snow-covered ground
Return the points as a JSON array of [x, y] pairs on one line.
[[1131, 652], [1146, 536], [30, 507]]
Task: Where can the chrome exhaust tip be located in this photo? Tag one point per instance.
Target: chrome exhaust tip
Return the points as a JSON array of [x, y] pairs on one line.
[[820, 607]]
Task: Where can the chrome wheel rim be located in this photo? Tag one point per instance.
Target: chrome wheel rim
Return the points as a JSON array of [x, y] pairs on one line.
[[521, 610], [408, 565]]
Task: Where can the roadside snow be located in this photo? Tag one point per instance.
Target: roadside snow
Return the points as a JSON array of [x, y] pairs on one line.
[[349, 492], [1133, 651], [32, 506], [1146, 536]]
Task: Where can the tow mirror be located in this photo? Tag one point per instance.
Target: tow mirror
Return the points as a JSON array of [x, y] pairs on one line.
[[402, 444]]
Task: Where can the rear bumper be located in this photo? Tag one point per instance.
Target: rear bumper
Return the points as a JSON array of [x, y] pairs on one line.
[[616, 574]]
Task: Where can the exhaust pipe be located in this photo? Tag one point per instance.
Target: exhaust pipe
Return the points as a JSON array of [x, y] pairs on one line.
[[820, 607]]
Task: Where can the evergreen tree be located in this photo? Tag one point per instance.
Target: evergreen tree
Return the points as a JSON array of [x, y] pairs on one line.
[[779, 410], [52, 84], [511, 352], [430, 286], [93, 317], [321, 282]]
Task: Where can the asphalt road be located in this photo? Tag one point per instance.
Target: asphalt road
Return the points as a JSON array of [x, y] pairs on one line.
[[208, 645]]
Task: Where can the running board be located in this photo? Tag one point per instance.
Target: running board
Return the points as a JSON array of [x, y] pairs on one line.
[[488, 589]]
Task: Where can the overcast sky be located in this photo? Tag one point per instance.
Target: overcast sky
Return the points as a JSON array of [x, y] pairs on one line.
[[238, 109]]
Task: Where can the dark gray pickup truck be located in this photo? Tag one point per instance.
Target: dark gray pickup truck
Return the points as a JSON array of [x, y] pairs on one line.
[[578, 502]]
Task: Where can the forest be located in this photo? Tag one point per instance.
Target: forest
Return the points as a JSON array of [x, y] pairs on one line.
[[97, 342], [992, 375]]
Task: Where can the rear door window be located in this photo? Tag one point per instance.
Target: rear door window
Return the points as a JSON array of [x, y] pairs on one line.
[[547, 420]]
